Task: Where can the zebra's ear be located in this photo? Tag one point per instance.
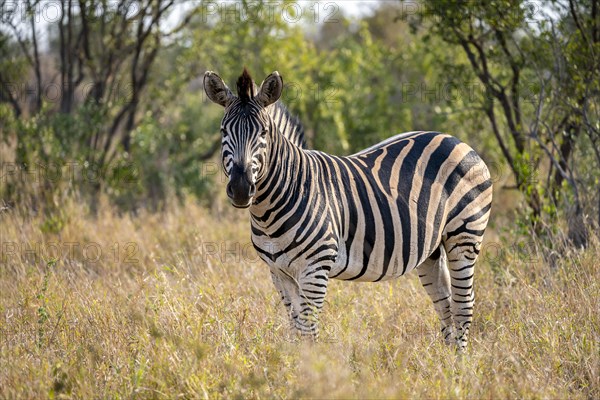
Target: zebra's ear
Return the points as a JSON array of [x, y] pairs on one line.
[[216, 89], [270, 90]]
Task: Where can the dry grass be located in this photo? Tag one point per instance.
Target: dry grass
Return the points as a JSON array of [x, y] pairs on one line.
[[162, 314]]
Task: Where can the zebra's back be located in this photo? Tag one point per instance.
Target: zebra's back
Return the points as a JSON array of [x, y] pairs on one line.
[[394, 202]]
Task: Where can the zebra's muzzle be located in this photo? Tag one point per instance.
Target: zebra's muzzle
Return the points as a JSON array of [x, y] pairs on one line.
[[240, 188]]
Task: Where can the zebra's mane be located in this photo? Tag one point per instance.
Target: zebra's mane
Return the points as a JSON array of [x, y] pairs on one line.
[[245, 87], [289, 125]]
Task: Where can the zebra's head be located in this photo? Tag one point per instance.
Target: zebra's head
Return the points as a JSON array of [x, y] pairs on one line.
[[246, 130]]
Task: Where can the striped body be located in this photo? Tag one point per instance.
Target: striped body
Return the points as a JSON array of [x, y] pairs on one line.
[[417, 200], [383, 211]]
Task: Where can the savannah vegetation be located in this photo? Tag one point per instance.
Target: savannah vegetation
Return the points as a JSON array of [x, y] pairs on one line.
[[124, 272]]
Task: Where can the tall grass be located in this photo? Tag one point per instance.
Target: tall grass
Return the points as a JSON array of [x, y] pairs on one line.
[[177, 305]]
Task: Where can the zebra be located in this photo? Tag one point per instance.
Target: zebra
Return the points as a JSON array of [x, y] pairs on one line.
[[419, 200], [288, 124]]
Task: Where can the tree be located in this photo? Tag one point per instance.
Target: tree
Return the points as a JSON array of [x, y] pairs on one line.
[[529, 61], [103, 52]]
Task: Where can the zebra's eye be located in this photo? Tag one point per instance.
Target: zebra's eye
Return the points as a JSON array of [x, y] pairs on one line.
[[263, 133]]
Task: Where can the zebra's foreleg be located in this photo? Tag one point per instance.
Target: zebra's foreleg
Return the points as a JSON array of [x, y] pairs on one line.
[[297, 300], [287, 288], [312, 285], [304, 297], [434, 277]]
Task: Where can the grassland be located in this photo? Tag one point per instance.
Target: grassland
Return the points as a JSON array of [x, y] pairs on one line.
[[177, 305]]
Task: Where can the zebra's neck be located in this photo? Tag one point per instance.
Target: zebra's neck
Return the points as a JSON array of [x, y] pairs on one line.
[[288, 124], [283, 182]]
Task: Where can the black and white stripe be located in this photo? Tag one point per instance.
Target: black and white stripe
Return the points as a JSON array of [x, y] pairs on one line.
[[417, 200], [288, 125]]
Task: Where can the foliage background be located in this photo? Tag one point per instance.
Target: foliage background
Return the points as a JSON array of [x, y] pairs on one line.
[[115, 87], [107, 139]]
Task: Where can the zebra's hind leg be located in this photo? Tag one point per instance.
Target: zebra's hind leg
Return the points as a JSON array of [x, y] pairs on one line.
[[462, 253], [433, 274]]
